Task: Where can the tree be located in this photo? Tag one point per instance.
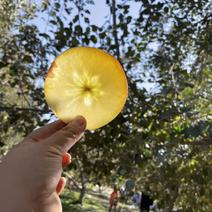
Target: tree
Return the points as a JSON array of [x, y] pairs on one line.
[[21, 103]]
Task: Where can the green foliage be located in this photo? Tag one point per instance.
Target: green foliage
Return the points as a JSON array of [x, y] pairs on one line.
[[162, 138]]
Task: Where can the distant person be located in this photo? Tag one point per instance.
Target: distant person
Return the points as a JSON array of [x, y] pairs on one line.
[[143, 201], [136, 198], [113, 199], [30, 174]]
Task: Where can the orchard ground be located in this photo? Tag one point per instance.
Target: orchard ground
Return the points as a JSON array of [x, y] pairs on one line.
[[94, 201]]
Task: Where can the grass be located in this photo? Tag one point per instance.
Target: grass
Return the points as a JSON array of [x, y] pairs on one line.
[[90, 203]]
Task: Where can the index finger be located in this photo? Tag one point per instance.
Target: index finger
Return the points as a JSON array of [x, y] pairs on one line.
[[46, 131]]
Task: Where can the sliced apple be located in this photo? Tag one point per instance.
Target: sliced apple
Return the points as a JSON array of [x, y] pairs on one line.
[[86, 81]]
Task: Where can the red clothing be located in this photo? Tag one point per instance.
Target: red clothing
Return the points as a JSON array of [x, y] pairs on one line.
[[114, 198]]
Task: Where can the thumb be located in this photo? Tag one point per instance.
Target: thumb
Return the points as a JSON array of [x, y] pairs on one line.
[[66, 137]]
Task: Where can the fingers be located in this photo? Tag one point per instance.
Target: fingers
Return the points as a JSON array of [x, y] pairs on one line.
[[66, 159], [62, 182], [66, 137], [46, 131], [61, 185]]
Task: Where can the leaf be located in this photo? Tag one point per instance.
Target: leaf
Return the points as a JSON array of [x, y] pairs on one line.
[[86, 20], [166, 9], [76, 18], [59, 20], [94, 28], [44, 35], [68, 10], [28, 59], [78, 29], [93, 39], [88, 12], [57, 6], [53, 22]]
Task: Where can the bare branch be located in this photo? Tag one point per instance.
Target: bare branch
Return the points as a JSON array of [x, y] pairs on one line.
[[115, 33]]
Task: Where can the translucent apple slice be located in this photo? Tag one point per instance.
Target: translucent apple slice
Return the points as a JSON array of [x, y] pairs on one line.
[[86, 81]]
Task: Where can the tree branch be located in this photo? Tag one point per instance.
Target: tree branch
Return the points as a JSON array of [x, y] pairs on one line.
[[174, 195], [71, 179], [204, 141], [22, 91], [13, 108], [115, 33]]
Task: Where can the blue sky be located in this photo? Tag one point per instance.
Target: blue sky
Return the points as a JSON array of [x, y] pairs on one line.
[[100, 10], [98, 13]]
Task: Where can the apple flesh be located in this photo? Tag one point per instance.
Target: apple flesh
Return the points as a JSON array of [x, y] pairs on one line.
[[86, 81]]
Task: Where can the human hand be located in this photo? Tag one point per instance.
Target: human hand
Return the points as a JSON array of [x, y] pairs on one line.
[[30, 174]]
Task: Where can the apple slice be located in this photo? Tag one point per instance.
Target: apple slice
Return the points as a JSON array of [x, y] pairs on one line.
[[86, 81]]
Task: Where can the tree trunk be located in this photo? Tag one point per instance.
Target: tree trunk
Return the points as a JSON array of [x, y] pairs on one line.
[[115, 33], [82, 194], [170, 206], [100, 188], [82, 189]]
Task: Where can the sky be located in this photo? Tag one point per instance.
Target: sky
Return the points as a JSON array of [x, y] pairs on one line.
[[98, 13], [100, 10]]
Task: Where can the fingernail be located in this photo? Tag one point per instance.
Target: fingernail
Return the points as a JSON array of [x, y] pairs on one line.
[[79, 123]]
